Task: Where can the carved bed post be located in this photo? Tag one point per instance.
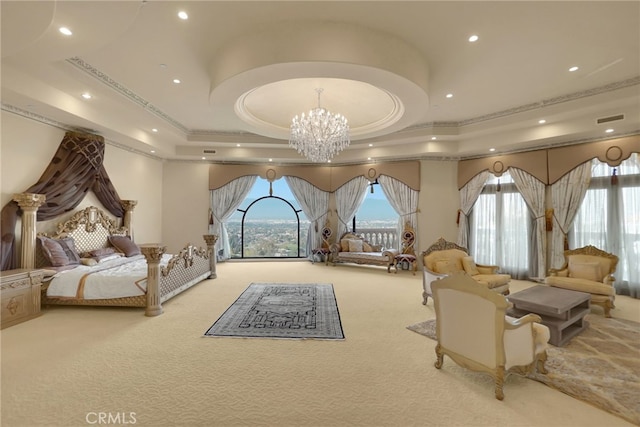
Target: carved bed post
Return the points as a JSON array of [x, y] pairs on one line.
[[128, 206], [153, 254], [211, 240], [29, 203]]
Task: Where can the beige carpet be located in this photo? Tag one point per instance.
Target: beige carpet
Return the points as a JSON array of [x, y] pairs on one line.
[[601, 366], [74, 361]]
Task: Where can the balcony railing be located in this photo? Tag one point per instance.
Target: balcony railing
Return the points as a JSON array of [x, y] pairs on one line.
[[385, 237]]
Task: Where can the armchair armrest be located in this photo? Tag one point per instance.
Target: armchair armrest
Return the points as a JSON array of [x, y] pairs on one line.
[[390, 253], [334, 248], [487, 269], [608, 280], [562, 272], [511, 323]]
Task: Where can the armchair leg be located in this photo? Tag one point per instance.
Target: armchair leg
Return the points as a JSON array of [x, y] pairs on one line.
[[542, 358], [425, 298], [499, 382], [439, 357]]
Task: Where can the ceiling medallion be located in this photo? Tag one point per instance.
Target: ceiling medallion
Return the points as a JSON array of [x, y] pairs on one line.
[[319, 135]]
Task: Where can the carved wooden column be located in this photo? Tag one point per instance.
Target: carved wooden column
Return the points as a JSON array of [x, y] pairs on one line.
[[29, 203], [128, 206], [211, 240], [153, 253]]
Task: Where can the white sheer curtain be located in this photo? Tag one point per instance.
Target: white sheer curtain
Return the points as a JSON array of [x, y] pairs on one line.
[[468, 196], [223, 203], [533, 192], [609, 219], [566, 196], [404, 200], [315, 204], [349, 197], [500, 227]]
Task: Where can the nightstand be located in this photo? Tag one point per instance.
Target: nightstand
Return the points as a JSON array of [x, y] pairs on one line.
[[20, 295]]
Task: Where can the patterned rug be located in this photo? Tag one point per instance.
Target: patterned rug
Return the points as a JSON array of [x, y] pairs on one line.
[[281, 310], [601, 366]]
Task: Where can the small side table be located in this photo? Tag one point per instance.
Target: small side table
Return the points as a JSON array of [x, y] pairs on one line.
[[410, 259], [20, 295], [323, 253]]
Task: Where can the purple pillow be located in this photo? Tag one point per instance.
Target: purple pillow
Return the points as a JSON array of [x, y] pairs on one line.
[[125, 245], [59, 252]]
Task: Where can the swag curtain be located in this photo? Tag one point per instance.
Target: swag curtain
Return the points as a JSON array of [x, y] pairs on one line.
[[533, 193], [608, 219], [405, 202], [75, 169], [349, 197], [468, 196], [315, 204], [223, 203], [566, 195]]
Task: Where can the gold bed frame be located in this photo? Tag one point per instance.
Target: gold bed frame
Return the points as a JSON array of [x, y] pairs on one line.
[[90, 229]]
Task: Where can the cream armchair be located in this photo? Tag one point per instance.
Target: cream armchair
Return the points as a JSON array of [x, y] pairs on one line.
[[473, 329], [587, 269], [444, 258]]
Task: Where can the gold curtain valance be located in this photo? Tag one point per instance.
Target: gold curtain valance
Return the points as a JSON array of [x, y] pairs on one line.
[[326, 178]]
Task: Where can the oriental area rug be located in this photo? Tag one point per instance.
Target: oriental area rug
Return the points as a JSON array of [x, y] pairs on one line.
[[600, 366], [282, 310]]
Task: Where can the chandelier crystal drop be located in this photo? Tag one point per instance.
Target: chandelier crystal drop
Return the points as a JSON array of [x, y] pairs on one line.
[[319, 135]]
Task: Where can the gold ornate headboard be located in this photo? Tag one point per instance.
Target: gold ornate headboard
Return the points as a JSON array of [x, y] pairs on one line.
[[90, 229]]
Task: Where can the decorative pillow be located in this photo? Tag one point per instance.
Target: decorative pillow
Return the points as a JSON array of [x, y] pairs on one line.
[[125, 245], [470, 266], [355, 245], [344, 245], [88, 261], [106, 258], [585, 270], [59, 252], [366, 247]]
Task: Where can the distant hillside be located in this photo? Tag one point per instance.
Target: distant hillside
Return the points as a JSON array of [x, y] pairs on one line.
[[273, 208]]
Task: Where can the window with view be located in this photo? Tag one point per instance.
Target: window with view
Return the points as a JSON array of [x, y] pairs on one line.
[[268, 225], [376, 219]]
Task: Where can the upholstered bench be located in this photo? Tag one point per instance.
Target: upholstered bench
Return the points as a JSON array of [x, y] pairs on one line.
[[354, 249]]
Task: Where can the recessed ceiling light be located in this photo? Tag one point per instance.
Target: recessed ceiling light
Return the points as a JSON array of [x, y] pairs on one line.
[[176, 81], [609, 130], [237, 145], [328, 161], [65, 31], [183, 15], [154, 130], [370, 145], [153, 151], [492, 149], [271, 160], [163, 65], [473, 38], [574, 68], [368, 158], [433, 138], [542, 121], [449, 95], [86, 95], [204, 158]]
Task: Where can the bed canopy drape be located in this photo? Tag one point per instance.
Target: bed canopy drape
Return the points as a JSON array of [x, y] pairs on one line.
[[75, 169]]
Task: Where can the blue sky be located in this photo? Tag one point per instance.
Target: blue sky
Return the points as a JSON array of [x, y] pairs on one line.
[[281, 189]]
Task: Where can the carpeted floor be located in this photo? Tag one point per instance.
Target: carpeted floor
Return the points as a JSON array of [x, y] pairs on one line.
[[281, 310], [601, 366]]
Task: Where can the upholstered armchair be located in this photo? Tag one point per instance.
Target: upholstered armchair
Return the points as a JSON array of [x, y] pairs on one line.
[[444, 258], [587, 269], [473, 329]]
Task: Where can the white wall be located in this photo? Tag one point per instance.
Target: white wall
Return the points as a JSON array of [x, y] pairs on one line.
[[185, 204], [27, 146], [438, 203]]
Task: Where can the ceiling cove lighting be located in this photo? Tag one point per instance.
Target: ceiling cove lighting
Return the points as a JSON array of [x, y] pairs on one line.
[[319, 135]]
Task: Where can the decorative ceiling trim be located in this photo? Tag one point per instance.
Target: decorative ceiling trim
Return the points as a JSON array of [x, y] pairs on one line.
[[47, 121], [126, 92]]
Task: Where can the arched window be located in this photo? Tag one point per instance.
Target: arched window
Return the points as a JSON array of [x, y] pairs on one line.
[[376, 220], [268, 224]]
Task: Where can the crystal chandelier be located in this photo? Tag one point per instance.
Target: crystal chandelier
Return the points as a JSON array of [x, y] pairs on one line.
[[319, 135]]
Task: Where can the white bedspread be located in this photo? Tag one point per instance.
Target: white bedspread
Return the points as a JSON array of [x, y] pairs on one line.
[[122, 277]]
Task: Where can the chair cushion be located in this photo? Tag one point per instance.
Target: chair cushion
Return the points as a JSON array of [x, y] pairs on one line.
[[470, 266], [448, 266], [585, 270], [581, 285], [355, 245], [492, 280]]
